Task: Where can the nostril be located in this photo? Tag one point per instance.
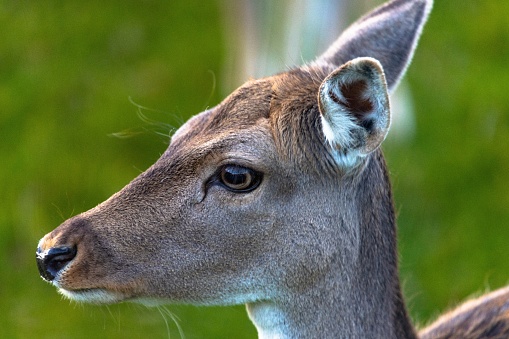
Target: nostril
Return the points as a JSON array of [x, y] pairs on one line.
[[50, 262]]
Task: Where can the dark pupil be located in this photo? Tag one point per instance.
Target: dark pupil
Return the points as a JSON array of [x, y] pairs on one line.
[[236, 177]]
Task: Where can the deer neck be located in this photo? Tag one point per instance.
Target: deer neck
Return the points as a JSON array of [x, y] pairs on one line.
[[359, 298]]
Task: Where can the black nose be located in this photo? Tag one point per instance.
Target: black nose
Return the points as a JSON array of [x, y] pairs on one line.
[[52, 261]]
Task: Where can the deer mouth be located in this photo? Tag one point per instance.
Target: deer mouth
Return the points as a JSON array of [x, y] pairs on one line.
[[92, 295], [53, 265]]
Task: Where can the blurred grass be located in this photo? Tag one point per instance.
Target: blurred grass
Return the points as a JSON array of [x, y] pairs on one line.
[[68, 69], [452, 181]]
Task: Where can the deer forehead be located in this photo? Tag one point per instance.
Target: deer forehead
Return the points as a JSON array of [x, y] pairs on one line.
[[241, 109], [278, 114]]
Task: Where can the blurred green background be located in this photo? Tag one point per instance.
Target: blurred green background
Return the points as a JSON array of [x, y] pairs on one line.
[[72, 74]]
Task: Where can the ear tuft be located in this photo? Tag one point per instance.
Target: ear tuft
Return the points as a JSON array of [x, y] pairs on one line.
[[354, 106]]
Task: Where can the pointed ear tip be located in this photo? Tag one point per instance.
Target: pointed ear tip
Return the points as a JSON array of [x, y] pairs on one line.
[[428, 6]]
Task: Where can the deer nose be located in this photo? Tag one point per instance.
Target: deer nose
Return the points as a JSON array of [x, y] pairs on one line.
[[50, 262]]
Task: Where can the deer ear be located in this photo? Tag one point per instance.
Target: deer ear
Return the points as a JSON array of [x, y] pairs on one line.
[[354, 107], [389, 34]]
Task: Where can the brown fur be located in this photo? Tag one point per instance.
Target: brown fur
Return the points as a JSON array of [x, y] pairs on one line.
[[483, 317]]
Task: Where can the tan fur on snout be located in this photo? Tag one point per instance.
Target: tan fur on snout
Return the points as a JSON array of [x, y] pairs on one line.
[[84, 274]]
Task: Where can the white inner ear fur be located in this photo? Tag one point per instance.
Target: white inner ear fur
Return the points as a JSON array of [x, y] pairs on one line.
[[355, 126]]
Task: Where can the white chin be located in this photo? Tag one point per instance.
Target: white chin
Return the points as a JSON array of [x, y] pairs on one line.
[[93, 296]]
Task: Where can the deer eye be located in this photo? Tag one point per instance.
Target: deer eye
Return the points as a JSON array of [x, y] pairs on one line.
[[239, 179]]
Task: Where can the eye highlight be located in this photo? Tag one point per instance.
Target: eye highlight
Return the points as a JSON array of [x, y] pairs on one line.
[[238, 178]]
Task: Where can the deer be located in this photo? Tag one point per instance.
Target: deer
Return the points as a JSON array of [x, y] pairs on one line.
[[278, 198]]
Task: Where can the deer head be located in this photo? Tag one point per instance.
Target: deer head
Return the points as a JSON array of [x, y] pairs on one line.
[[277, 198]]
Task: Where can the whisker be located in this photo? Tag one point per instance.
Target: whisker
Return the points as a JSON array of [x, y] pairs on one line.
[[173, 317], [165, 320]]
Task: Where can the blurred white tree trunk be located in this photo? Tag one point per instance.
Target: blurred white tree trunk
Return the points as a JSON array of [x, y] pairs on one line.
[[264, 37]]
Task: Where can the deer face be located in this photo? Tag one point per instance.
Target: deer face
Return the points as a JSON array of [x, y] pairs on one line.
[[214, 220]]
